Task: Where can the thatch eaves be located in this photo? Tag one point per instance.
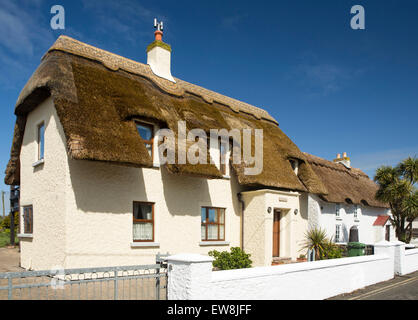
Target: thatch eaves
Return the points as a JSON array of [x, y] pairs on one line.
[[345, 185], [98, 95]]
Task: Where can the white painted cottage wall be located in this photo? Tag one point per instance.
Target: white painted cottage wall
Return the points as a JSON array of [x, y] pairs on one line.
[[44, 187], [83, 209], [323, 214]]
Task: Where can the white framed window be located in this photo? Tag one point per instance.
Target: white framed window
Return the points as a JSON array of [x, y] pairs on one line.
[[41, 140], [337, 233], [337, 210], [356, 212]]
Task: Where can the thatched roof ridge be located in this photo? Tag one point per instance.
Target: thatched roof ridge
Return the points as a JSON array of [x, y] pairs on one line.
[[98, 95], [345, 184], [115, 62]]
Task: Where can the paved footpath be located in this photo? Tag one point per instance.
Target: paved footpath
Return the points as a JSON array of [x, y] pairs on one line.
[[400, 288], [9, 260]]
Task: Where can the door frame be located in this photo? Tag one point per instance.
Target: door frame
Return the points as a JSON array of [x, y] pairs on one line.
[[276, 243]]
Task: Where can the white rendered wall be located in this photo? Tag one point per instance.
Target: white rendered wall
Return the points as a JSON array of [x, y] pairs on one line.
[[406, 261], [308, 280], [83, 209], [258, 225], [322, 213], [44, 187]]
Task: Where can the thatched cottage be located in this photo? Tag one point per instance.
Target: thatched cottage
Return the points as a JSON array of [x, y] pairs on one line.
[[350, 201], [93, 191]]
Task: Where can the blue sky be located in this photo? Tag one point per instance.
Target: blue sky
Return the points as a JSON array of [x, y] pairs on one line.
[[332, 89]]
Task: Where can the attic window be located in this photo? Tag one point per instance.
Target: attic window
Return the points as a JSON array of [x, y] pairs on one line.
[[364, 202], [146, 131], [222, 157], [349, 201], [295, 165]]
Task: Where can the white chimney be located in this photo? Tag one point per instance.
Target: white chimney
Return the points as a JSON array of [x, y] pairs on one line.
[[159, 55], [345, 160]]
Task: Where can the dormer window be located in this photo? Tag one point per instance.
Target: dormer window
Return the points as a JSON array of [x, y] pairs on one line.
[[222, 157], [146, 131], [295, 165]]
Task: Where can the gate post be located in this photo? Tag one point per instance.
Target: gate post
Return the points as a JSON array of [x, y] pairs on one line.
[[189, 276], [388, 248]]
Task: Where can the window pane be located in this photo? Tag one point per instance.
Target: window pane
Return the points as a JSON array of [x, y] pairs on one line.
[[222, 216], [142, 231], [203, 214], [142, 211], [212, 215], [41, 140], [144, 132], [203, 232], [212, 232], [27, 219], [221, 232]]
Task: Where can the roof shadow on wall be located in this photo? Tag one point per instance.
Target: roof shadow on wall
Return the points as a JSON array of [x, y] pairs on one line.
[[183, 193], [106, 188]]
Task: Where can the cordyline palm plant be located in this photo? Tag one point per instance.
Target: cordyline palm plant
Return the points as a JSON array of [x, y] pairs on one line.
[[316, 239], [397, 187]]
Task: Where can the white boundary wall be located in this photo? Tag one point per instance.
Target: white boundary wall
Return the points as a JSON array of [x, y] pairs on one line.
[[190, 276], [406, 261]]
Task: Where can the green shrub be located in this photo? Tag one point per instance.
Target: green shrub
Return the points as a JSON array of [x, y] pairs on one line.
[[332, 251], [5, 222], [236, 259], [325, 248]]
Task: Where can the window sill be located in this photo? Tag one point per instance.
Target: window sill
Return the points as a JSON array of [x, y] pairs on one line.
[[38, 163], [145, 244], [213, 243], [25, 236], [356, 220], [338, 218]]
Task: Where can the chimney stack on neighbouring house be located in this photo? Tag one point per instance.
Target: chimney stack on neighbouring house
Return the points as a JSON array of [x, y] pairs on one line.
[[344, 160], [159, 54]]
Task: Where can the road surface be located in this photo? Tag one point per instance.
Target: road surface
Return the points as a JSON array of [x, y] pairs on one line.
[[400, 288]]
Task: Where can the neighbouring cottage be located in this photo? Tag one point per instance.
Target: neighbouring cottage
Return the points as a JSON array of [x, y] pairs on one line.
[[93, 191], [350, 201]]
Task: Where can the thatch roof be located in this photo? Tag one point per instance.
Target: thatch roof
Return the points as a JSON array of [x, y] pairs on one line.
[[345, 185], [97, 95]]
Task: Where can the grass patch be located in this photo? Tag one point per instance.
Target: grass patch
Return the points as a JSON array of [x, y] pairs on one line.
[[5, 239]]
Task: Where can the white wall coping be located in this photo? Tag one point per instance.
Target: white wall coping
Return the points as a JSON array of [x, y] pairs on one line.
[[144, 244], [411, 251], [227, 275], [189, 258], [385, 243], [214, 243]]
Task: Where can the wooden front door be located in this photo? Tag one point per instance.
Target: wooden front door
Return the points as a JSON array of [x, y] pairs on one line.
[[276, 234], [387, 235]]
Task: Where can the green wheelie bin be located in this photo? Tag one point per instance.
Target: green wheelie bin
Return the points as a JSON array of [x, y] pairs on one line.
[[355, 249]]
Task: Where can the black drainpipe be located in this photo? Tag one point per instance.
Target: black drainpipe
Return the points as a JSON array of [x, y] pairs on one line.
[[242, 219]]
